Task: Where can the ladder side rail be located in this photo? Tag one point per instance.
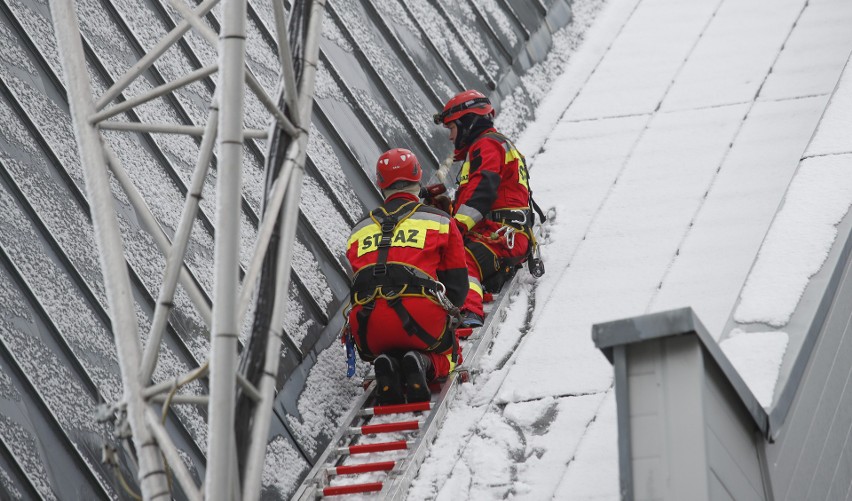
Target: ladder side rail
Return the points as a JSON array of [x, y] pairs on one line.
[[397, 486], [474, 349], [307, 491]]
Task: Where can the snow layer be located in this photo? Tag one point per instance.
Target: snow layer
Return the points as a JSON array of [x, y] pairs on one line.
[[279, 471], [326, 383], [757, 357], [661, 162], [833, 135], [799, 240], [538, 80], [709, 271], [652, 135]]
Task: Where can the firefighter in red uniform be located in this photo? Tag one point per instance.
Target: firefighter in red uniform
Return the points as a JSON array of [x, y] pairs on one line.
[[492, 206], [409, 278]]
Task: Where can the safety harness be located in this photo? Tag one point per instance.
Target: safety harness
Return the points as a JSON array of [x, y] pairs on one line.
[[520, 219], [393, 281]]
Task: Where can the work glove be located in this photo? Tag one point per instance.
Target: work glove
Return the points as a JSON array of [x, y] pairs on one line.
[[434, 195], [442, 202], [433, 190]]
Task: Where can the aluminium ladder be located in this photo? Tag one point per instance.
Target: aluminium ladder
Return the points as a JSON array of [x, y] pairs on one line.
[[384, 457]]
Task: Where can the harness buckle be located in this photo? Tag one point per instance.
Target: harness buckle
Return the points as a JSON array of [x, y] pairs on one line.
[[524, 216], [380, 269], [520, 217]]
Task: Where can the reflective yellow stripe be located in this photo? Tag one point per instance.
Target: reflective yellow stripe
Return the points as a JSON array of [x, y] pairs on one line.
[[452, 364], [409, 233], [467, 221], [464, 174], [514, 154], [474, 285]]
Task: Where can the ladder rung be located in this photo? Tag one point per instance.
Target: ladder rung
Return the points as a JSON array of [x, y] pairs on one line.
[[352, 489], [361, 468], [397, 445], [385, 427], [381, 410]]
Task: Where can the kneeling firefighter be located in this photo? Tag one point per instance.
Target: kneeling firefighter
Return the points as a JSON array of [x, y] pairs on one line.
[[493, 207], [409, 278]]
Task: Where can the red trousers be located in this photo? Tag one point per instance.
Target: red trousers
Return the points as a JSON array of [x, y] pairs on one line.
[[486, 259], [385, 332]]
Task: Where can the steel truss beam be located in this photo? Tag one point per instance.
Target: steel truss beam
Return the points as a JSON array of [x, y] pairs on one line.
[[229, 474]]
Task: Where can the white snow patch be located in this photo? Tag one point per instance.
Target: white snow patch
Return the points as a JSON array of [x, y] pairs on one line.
[[553, 430], [593, 472], [326, 398], [514, 115], [280, 470], [832, 135], [757, 357], [798, 241]]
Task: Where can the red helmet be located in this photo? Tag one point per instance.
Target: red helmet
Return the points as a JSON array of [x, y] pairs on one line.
[[469, 101], [395, 165]]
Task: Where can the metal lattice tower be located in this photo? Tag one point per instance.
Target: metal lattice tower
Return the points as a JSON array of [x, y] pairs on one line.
[[241, 387]]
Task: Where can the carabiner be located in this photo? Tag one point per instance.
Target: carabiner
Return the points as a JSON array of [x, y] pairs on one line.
[[508, 234]]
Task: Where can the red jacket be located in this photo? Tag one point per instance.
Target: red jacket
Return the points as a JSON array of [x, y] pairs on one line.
[[493, 176], [425, 240]]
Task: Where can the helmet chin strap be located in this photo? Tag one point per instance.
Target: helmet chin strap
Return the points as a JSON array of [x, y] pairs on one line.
[[464, 134]]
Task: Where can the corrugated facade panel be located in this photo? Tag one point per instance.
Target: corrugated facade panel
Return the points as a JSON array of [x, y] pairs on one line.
[[687, 422], [808, 457], [731, 447], [666, 428], [385, 67], [724, 469], [841, 482], [686, 439], [718, 492], [840, 425]]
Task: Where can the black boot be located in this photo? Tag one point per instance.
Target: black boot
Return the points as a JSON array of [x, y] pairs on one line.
[[388, 382], [470, 319], [418, 371]]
